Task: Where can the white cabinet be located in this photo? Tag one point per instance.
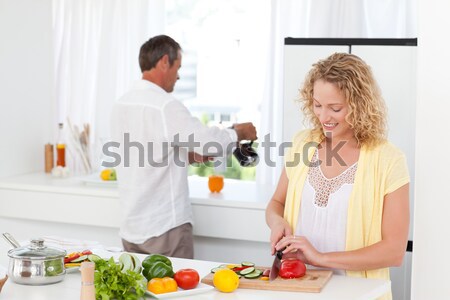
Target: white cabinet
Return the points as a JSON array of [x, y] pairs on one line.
[[393, 62]]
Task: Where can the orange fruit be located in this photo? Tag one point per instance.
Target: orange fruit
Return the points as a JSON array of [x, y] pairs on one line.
[[108, 174], [215, 183]]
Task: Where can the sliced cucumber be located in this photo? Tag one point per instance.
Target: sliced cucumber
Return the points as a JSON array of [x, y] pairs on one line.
[[247, 264], [93, 257], [247, 271], [80, 259], [253, 275]]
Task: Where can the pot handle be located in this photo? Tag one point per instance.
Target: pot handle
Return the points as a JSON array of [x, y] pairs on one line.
[[11, 240]]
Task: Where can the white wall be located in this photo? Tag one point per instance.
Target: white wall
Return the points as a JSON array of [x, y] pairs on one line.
[[26, 84], [430, 278]]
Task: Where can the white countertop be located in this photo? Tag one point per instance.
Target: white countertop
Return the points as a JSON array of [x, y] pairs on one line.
[[339, 287]]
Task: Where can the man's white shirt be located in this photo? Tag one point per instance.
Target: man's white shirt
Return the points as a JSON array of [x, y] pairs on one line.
[[154, 128]]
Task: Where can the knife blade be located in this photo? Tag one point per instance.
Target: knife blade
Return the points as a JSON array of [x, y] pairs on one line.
[[276, 265]]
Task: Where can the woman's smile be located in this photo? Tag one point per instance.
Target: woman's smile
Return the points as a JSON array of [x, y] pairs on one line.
[[329, 126]]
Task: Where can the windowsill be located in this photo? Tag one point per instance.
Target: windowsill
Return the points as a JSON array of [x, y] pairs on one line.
[[45, 197], [236, 193]]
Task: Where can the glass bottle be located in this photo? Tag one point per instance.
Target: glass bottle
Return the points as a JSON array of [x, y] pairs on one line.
[[60, 147]]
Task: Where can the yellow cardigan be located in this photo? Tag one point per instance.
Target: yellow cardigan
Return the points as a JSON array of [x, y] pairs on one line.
[[381, 170]]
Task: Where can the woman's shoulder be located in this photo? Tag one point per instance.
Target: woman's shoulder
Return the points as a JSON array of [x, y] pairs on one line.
[[386, 149]]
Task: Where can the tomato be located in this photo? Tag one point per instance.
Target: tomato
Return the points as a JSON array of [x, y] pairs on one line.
[[187, 278], [86, 252], [292, 268]]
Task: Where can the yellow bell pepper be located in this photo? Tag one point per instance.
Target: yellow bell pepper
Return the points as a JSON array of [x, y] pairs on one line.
[[71, 265], [162, 285]]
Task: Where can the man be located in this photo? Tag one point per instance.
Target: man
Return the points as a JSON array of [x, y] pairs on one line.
[[153, 188]]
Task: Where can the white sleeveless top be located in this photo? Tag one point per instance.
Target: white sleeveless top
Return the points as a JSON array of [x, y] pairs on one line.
[[323, 212]]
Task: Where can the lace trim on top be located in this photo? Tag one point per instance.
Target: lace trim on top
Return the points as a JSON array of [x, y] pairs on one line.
[[323, 186]]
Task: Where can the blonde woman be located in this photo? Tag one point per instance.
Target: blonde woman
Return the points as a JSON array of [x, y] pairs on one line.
[[342, 200]]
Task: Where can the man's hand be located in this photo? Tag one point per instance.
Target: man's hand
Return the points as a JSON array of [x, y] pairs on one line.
[[245, 131], [197, 158]]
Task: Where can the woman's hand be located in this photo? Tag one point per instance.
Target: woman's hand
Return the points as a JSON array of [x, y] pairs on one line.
[[280, 229], [302, 249]]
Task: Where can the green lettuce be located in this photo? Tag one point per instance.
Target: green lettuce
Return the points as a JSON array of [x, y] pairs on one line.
[[111, 283]]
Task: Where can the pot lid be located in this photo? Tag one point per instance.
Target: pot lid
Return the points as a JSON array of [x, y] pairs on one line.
[[36, 250]]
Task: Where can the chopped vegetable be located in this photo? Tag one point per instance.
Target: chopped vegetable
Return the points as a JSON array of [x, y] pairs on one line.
[[71, 256], [246, 269], [253, 275], [292, 268], [80, 259], [93, 257], [71, 265], [74, 259]]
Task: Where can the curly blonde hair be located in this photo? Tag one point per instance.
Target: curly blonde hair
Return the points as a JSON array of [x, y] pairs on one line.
[[354, 78]]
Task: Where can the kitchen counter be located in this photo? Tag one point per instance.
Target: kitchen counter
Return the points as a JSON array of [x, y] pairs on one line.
[[339, 287]]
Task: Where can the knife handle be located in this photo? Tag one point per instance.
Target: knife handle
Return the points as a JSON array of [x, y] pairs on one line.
[[279, 253]]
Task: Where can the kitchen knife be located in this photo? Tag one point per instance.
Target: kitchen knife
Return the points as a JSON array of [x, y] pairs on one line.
[[276, 265]]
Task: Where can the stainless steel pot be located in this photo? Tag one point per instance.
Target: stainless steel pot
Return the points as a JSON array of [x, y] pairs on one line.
[[35, 264]]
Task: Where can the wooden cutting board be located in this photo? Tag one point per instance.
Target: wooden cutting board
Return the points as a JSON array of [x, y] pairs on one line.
[[312, 282]]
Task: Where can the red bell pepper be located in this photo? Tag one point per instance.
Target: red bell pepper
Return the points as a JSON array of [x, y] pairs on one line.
[[237, 269], [71, 257], [292, 268]]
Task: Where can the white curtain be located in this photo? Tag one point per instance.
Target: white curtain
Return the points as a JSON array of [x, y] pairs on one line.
[[97, 44], [96, 57], [321, 19]]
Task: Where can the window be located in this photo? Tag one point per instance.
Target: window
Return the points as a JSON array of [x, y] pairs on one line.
[[223, 69]]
